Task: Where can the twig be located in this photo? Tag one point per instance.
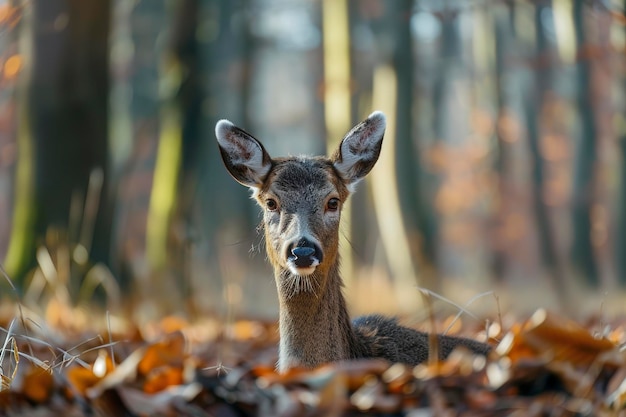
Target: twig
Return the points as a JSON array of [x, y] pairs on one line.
[[433, 345], [460, 313]]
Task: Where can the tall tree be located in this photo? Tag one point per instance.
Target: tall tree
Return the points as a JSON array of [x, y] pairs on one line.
[[583, 256], [621, 231], [137, 35], [416, 204], [504, 40], [533, 101], [620, 259], [446, 78], [448, 70], [66, 123]]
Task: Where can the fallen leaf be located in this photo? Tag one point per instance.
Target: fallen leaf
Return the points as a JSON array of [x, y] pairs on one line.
[[160, 378], [37, 384], [169, 351], [563, 339], [123, 373], [84, 378]]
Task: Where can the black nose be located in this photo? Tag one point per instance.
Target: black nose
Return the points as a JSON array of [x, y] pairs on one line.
[[301, 252], [304, 252]]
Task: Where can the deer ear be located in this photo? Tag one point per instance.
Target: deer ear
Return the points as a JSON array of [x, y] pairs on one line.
[[244, 156], [360, 148]]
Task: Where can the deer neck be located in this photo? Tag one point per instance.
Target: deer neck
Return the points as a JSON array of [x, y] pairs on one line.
[[314, 325]]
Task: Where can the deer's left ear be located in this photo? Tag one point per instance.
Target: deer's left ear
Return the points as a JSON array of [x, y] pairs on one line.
[[359, 150]]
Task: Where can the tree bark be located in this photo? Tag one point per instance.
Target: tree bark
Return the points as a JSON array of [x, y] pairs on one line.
[[545, 228], [416, 204], [583, 257], [67, 117]]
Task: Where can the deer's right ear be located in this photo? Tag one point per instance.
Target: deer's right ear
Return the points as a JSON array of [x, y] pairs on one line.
[[244, 156]]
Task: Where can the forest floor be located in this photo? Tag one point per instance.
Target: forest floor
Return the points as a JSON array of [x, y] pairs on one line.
[[73, 362]]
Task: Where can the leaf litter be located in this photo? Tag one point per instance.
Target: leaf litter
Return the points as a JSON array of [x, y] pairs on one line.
[[543, 365]]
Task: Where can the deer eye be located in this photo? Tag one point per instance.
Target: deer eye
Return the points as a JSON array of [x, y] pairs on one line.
[[271, 204], [333, 204]]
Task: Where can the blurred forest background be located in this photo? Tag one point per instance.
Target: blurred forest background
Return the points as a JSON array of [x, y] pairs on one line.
[[503, 167]]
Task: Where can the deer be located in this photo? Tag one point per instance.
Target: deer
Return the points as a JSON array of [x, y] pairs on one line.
[[302, 198]]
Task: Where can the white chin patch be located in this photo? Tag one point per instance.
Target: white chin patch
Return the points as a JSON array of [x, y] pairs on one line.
[[303, 272]]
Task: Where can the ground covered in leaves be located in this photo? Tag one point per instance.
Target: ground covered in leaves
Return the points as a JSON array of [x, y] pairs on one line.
[[544, 365]]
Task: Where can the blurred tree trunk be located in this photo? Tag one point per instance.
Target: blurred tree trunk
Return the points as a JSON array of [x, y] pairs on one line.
[[533, 101], [450, 65], [416, 207], [447, 71], [223, 218], [11, 28], [392, 93], [338, 109], [173, 194], [189, 97], [583, 256], [185, 49], [227, 60], [364, 243], [504, 41], [620, 259], [137, 49], [621, 217], [21, 242], [67, 99]]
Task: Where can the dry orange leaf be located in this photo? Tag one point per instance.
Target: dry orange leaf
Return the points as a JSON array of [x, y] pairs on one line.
[[161, 378], [37, 385], [563, 338], [262, 371], [513, 346], [559, 338], [84, 378], [170, 351]]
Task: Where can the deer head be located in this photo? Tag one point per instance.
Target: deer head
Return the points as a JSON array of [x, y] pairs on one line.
[[301, 198]]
